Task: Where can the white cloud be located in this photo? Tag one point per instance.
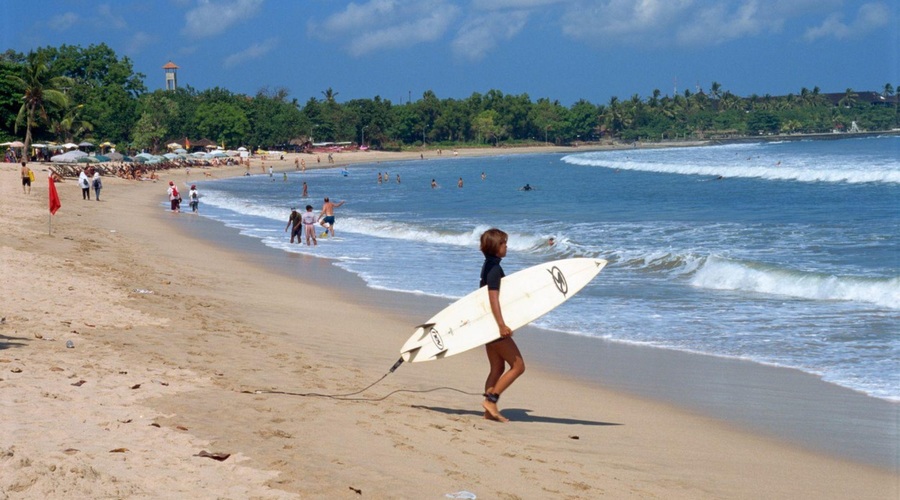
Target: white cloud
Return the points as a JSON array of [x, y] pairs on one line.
[[716, 24], [211, 18], [63, 22], [623, 21], [255, 51], [870, 16], [480, 35], [387, 24], [138, 41], [688, 23], [514, 4], [108, 18]]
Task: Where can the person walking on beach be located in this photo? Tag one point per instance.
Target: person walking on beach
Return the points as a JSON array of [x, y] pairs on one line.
[[174, 197], [26, 178], [309, 225], [327, 215], [98, 185], [504, 350], [294, 224], [85, 185], [194, 198]]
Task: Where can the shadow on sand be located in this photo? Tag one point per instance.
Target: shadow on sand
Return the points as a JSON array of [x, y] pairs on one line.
[[516, 415], [10, 342]]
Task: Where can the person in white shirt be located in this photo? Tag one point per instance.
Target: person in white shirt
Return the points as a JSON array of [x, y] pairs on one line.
[[309, 225]]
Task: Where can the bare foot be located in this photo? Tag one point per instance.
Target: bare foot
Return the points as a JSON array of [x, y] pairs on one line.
[[488, 416], [491, 412]]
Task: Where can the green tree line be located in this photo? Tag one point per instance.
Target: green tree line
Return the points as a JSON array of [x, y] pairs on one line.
[[70, 93]]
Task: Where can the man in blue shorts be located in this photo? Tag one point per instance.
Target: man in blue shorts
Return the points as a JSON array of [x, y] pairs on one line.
[[327, 215]]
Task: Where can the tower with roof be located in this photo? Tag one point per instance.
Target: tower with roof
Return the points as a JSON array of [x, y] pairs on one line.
[[171, 75]]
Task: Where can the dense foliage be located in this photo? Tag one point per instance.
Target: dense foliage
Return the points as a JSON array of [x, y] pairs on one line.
[[92, 94]]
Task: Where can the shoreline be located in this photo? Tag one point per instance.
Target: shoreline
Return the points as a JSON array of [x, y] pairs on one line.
[[149, 304], [659, 374]]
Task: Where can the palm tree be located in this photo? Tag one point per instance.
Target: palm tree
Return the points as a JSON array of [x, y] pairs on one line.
[[329, 94], [39, 88], [849, 98], [888, 90], [71, 125], [653, 102], [715, 90]]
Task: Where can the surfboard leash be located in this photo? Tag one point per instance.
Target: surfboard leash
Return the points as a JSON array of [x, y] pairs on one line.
[[349, 396]]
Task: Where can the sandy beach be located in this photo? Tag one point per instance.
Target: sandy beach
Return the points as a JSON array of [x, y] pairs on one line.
[[177, 339]]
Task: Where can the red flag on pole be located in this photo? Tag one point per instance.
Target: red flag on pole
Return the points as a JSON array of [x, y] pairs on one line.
[[54, 197]]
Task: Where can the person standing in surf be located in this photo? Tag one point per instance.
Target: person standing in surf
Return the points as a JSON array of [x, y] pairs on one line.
[[504, 350], [327, 216]]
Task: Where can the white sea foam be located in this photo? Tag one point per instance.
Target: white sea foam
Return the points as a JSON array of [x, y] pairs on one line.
[[723, 274], [763, 161], [785, 173]]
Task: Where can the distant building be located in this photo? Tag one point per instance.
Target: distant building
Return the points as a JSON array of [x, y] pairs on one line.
[[171, 76], [863, 96]]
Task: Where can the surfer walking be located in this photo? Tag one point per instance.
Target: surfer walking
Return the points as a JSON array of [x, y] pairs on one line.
[[503, 351]]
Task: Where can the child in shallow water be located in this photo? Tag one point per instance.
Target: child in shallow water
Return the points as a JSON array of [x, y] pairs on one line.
[[504, 350]]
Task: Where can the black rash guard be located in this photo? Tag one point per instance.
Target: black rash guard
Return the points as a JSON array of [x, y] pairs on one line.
[[491, 273]]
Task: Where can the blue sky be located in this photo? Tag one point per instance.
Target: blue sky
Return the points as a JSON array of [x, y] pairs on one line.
[[560, 49]]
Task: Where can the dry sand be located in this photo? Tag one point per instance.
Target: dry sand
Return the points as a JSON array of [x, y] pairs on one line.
[[170, 330]]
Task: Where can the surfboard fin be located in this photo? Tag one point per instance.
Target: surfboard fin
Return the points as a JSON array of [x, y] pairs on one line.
[[426, 329]]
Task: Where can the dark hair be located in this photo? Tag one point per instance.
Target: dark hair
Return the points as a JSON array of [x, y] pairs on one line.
[[326, 198], [309, 207], [491, 240]]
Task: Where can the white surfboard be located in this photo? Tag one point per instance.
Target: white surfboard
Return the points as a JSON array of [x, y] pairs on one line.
[[524, 297]]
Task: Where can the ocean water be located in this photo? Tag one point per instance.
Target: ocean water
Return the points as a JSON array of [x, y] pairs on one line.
[[779, 253]]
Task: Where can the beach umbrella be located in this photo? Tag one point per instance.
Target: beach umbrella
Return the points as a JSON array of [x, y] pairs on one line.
[[127, 158], [69, 145], [39, 145], [180, 151], [68, 157], [17, 144], [87, 159], [102, 158], [173, 145], [170, 156], [86, 144], [218, 154], [115, 156], [242, 148]]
